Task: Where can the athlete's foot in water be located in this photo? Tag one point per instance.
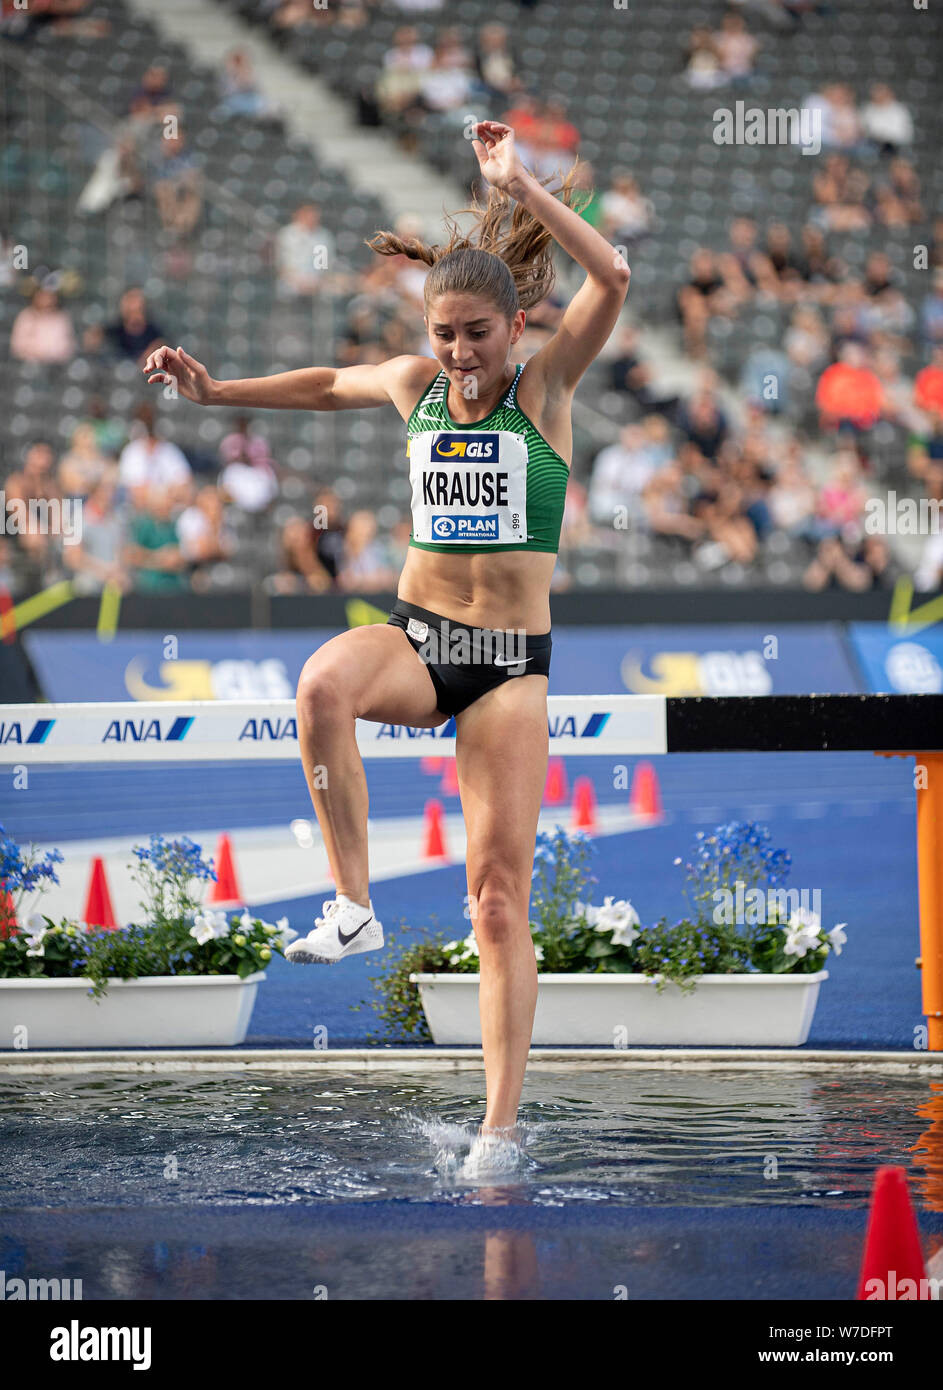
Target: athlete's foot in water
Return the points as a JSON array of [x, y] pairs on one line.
[[495, 1151], [346, 928]]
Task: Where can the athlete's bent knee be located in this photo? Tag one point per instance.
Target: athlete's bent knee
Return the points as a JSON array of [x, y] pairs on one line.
[[321, 692]]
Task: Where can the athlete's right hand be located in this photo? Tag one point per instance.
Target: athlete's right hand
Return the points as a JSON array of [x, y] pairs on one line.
[[166, 364]]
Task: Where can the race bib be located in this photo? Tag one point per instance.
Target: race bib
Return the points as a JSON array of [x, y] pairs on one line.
[[469, 487]]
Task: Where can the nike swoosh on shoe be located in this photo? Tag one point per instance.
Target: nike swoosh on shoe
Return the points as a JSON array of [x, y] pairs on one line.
[[345, 939]]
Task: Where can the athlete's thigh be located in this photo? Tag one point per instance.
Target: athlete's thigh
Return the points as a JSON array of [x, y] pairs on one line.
[[378, 673], [502, 746]]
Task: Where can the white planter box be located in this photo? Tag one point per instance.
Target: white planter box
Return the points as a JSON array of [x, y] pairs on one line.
[[154, 1011], [624, 1010]]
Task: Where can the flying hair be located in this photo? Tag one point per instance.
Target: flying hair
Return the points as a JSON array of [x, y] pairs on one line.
[[507, 256]]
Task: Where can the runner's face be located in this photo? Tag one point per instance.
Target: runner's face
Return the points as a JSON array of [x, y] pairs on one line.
[[471, 339]]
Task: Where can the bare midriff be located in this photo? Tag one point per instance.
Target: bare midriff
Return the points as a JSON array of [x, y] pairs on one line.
[[504, 590]]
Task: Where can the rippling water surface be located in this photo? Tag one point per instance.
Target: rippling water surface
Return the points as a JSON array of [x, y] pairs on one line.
[[627, 1138]]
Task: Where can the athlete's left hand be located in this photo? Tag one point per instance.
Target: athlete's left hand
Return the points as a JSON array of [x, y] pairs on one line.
[[499, 161]]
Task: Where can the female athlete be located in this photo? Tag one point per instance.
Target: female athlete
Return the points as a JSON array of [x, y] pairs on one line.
[[469, 634]]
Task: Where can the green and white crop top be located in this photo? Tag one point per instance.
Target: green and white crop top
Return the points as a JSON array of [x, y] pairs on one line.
[[494, 485]]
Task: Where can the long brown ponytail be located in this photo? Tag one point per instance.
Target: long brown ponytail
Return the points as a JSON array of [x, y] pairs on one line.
[[509, 264]]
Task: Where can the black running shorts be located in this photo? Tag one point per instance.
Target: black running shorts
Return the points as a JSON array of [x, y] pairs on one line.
[[465, 662]]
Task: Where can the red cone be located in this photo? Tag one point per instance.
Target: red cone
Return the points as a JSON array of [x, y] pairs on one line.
[[892, 1245], [98, 909], [433, 846], [645, 796], [555, 788], [449, 783], [226, 888], [432, 765], [584, 805]]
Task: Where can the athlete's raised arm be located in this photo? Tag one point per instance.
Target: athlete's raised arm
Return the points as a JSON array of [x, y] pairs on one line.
[[592, 313], [307, 388]]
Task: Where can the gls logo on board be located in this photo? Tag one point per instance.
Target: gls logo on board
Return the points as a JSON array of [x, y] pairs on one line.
[[457, 446]]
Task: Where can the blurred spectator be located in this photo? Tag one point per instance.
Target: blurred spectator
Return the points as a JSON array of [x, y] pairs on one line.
[[363, 563], [524, 120], [85, 464], [626, 215], [736, 47], [806, 340], [700, 298], [330, 529], [738, 264], [134, 334], [928, 386], [240, 93], [152, 552], [792, 497], [849, 393], [150, 463], [397, 88], [886, 121], [35, 482], [841, 500], [621, 472], [589, 206], [931, 313], [300, 570], [702, 421], [667, 509], [178, 186], [898, 391], [42, 331], [446, 84], [925, 447], [305, 254], [777, 269], [397, 544], [119, 170], [97, 557], [494, 63], [703, 67], [110, 431], [154, 91], [248, 477], [631, 374], [556, 140], [204, 538], [855, 565]]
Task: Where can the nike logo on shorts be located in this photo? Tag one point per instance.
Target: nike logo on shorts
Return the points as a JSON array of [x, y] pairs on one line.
[[350, 936], [521, 660]]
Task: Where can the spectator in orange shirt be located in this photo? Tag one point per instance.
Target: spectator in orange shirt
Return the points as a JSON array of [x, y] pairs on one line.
[[849, 393], [928, 386]]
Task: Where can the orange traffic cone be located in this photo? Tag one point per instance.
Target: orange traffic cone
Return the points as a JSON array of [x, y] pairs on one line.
[[8, 924], [555, 788], [645, 796], [434, 832], [892, 1252], [449, 783], [98, 909], [584, 805], [226, 888]]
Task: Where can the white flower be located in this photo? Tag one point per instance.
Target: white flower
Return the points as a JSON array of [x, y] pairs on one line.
[[620, 918], [804, 920], [470, 944], [209, 926], [201, 931], [837, 937], [455, 960], [36, 922], [539, 953], [245, 921]]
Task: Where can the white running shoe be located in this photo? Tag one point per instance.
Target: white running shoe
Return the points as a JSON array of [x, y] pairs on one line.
[[492, 1156], [345, 929]]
